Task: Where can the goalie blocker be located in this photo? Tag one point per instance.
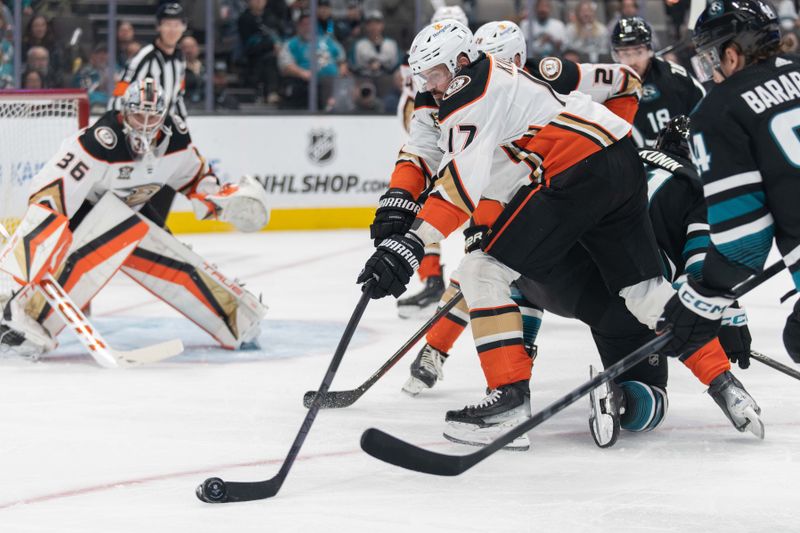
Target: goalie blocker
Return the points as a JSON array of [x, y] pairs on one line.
[[113, 237]]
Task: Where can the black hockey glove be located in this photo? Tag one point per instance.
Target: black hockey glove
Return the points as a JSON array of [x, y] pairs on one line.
[[392, 265], [473, 236], [395, 214], [734, 335], [694, 314], [791, 334]]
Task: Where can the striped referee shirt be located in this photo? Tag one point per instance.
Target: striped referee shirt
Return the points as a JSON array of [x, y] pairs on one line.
[[169, 70]]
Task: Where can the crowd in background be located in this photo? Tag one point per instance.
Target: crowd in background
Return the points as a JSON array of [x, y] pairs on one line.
[[262, 57]]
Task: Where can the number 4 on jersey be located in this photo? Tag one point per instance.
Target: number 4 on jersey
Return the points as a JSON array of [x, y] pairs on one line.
[[700, 156]]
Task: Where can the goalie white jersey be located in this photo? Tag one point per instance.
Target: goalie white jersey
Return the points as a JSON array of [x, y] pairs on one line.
[[502, 128], [97, 160]]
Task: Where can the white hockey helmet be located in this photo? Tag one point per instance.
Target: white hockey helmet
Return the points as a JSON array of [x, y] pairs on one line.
[[143, 114], [503, 39], [450, 12], [439, 43]]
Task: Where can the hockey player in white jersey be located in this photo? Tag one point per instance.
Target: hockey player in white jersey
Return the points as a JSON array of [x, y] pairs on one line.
[[548, 161], [95, 185]]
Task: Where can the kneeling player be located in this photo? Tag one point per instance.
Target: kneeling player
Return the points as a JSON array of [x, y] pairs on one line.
[[82, 226]]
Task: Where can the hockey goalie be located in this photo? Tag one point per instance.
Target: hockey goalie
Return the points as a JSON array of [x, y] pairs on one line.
[[88, 218]]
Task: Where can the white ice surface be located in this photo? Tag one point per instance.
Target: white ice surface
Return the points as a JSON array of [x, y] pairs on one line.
[[84, 449]]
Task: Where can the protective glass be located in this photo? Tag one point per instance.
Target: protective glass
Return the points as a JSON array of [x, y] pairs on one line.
[[431, 78], [705, 63]]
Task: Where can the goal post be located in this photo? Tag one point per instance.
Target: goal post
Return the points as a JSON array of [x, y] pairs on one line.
[[33, 123]]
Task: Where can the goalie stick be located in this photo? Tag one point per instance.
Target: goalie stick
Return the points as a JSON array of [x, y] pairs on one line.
[[97, 347], [346, 398], [403, 454], [215, 490], [772, 363]]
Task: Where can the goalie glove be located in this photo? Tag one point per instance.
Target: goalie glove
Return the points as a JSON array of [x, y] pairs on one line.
[[243, 205]]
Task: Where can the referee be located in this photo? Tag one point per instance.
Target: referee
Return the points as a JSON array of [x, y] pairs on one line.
[[162, 60]]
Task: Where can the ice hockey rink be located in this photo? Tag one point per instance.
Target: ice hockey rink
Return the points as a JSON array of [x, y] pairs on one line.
[[86, 449]]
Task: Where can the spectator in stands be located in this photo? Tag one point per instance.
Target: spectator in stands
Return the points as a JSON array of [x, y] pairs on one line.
[[6, 55], [295, 64], [38, 59], [586, 34], [32, 79], [259, 31], [630, 8], [676, 11], [195, 72], [227, 30], [349, 28], [548, 33], [366, 98], [126, 34], [325, 21], [39, 33], [92, 77], [375, 55], [787, 14]]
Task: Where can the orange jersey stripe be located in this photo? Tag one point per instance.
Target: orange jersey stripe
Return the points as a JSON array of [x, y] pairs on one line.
[[409, 177], [120, 88], [487, 212], [625, 107], [442, 215]]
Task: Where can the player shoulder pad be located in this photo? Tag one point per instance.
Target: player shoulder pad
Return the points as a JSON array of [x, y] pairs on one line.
[[424, 100], [562, 75], [105, 140], [467, 87], [180, 139], [676, 165]]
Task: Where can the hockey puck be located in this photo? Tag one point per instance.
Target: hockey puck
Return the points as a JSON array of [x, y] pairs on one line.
[[212, 490]]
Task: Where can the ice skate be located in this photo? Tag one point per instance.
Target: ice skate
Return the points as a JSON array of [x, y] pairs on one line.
[[426, 370], [737, 404], [20, 335], [502, 409], [606, 404], [423, 303]]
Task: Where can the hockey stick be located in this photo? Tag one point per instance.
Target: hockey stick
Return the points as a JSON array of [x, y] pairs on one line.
[[400, 453], [97, 347], [215, 490], [772, 363], [346, 398]]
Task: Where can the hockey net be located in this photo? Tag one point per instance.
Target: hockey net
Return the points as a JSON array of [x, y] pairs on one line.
[[32, 126]]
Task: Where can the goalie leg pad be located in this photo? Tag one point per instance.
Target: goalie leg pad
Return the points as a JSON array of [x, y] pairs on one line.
[[102, 241], [180, 277], [38, 245]]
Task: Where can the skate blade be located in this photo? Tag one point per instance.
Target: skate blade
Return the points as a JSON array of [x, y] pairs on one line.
[[414, 386], [754, 423], [414, 311], [471, 436], [601, 425]]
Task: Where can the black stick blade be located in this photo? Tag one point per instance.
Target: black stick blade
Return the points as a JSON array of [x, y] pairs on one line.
[[333, 399], [394, 451], [215, 490]]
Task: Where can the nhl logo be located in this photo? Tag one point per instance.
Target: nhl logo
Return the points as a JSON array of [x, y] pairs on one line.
[[321, 146]]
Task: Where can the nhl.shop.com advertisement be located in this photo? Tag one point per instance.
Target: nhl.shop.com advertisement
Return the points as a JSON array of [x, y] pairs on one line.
[[306, 161]]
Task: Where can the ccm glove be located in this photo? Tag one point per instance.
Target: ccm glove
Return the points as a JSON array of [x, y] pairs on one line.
[[473, 236], [395, 214], [694, 314], [791, 334], [734, 335], [392, 265]]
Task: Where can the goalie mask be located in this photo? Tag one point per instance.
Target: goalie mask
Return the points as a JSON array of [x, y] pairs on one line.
[[143, 115]]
